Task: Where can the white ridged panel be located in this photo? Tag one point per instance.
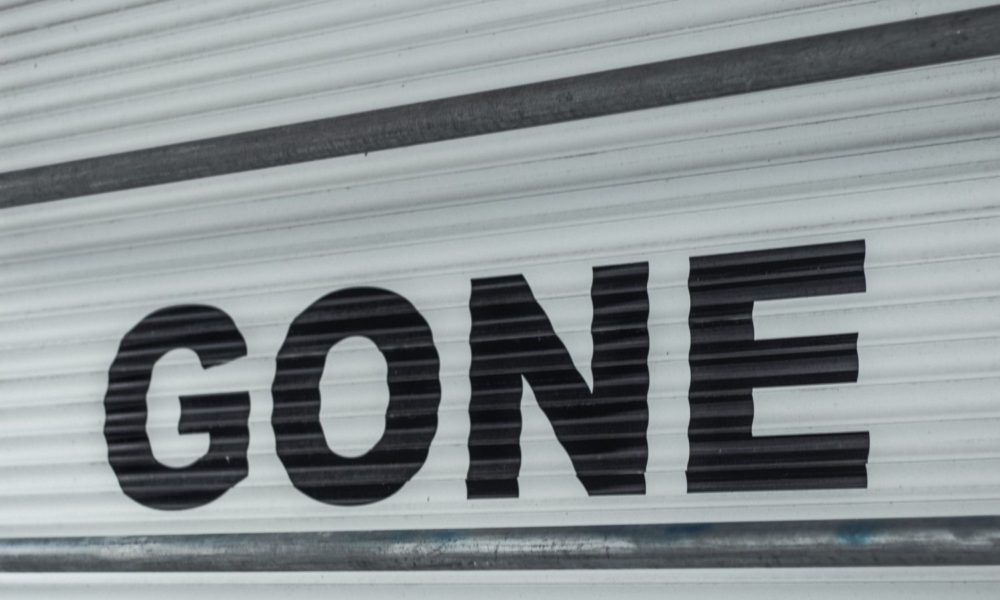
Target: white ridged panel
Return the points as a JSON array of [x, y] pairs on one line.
[[906, 161], [700, 584], [39, 31], [216, 68], [22, 16]]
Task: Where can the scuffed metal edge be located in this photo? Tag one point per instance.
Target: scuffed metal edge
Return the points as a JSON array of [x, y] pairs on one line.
[[951, 541], [876, 49]]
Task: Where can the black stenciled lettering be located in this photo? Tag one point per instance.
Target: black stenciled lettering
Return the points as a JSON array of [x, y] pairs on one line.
[[404, 339], [604, 430], [727, 363], [213, 336]]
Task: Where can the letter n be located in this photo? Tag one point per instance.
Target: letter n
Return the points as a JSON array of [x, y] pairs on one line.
[[603, 430]]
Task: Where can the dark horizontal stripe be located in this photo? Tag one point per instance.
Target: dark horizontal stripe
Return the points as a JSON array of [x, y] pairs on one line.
[[784, 479], [843, 543], [790, 258], [905, 44]]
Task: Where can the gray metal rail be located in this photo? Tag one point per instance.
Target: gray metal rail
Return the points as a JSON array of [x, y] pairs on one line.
[[844, 543]]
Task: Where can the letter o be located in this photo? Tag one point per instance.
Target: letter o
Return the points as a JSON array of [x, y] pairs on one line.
[[404, 339]]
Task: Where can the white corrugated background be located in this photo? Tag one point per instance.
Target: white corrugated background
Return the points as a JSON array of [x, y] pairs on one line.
[[908, 161]]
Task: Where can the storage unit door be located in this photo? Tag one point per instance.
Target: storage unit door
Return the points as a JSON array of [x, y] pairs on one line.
[[490, 298]]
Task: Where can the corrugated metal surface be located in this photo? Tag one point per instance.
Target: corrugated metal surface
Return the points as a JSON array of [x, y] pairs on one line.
[[174, 71], [903, 163], [708, 584]]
